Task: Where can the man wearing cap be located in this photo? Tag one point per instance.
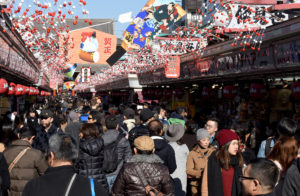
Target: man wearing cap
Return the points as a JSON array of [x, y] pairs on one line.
[[151, 167], [47, 129], [146, 116]]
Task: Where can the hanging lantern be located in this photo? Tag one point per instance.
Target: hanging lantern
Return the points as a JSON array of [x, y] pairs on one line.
[[145, 92], [3, 86], [167, 93], [42, 93], [158, 93], [151, 92], [37, 92], [206, 92], [257, 91], [11, 89], [19, 89], [230, 91], [296, 90], [179, 93]]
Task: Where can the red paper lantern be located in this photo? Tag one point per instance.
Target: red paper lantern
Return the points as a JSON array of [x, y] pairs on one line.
[[145, 92], [151, 92], [3, 86], [11, 89], [296, 90], [42, 93], [158, 93], [27, 90], [206, 92], [37, 92], [230, 91], [179, 93], [167, 93], [257, 91], [19, 89]]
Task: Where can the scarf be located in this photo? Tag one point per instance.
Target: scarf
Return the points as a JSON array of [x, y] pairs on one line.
[[214, 177]]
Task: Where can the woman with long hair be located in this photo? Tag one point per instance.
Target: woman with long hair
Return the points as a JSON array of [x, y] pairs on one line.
[[221, 176], [91, 149], [283, 154]]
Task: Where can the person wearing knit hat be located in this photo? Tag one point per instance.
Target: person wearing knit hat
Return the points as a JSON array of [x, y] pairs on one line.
[[144, 164], [224, 167], [197, 160]]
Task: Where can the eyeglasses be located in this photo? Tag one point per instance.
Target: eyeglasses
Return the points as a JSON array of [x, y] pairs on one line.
[[241, 178], [90, 118], [44, 117], [208, 126]]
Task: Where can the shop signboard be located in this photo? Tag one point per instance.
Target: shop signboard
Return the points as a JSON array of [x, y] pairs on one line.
[[287, 54], [172, 69], [240, 17], [171, 46]]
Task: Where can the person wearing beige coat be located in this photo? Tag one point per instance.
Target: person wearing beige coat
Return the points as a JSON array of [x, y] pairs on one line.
[[197, 160]]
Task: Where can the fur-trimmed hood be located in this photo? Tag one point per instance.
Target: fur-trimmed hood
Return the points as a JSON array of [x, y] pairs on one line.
[[153, 158]]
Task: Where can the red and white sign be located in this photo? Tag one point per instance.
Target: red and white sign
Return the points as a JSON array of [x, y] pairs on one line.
[[172, 69]]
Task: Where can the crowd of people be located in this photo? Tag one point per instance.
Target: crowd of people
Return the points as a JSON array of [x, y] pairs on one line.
[[67, 146]]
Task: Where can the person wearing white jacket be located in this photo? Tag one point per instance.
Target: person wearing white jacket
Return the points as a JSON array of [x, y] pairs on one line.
[[174, 135]]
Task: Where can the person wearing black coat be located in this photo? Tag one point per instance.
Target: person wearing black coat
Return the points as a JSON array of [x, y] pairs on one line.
[[162, 148], [58, 177], [90, 159], [4, 176], [44, 131]]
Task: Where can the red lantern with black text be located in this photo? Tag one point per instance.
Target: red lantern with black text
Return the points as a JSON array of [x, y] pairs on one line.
[[230, 92], [206, 92], [257, 91], [167, 93], [158, 93], [179, 93], [296, 90], [19, 89], [3, 86], [11, 88]]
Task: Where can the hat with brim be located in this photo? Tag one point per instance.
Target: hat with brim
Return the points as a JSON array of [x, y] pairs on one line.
[[174, 133]]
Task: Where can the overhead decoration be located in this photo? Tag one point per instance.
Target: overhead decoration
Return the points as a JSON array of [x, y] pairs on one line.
[[3, 86], [156, 16], [42, 24], [89, 46]]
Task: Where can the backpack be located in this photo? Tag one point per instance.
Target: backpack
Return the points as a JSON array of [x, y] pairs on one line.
[[110, 162], [137, 132], [268, 147]]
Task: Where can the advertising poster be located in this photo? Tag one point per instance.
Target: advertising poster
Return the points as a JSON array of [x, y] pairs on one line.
[[91, 46], [155, 17]]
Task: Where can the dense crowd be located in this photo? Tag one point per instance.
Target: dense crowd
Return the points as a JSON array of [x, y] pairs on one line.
[[67, 146]]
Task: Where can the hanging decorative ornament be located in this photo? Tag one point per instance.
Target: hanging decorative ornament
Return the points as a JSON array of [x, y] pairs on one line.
[[3, 86]]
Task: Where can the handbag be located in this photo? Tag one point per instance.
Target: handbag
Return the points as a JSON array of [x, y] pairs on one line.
[[150, 190]]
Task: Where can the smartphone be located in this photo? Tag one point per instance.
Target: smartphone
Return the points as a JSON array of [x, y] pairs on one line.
[[139, 107]]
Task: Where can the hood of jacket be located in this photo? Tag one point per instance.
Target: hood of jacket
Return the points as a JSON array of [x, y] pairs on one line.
[[139, 158], [175, 115], [91, 146], [159, 143], [110, 136]]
